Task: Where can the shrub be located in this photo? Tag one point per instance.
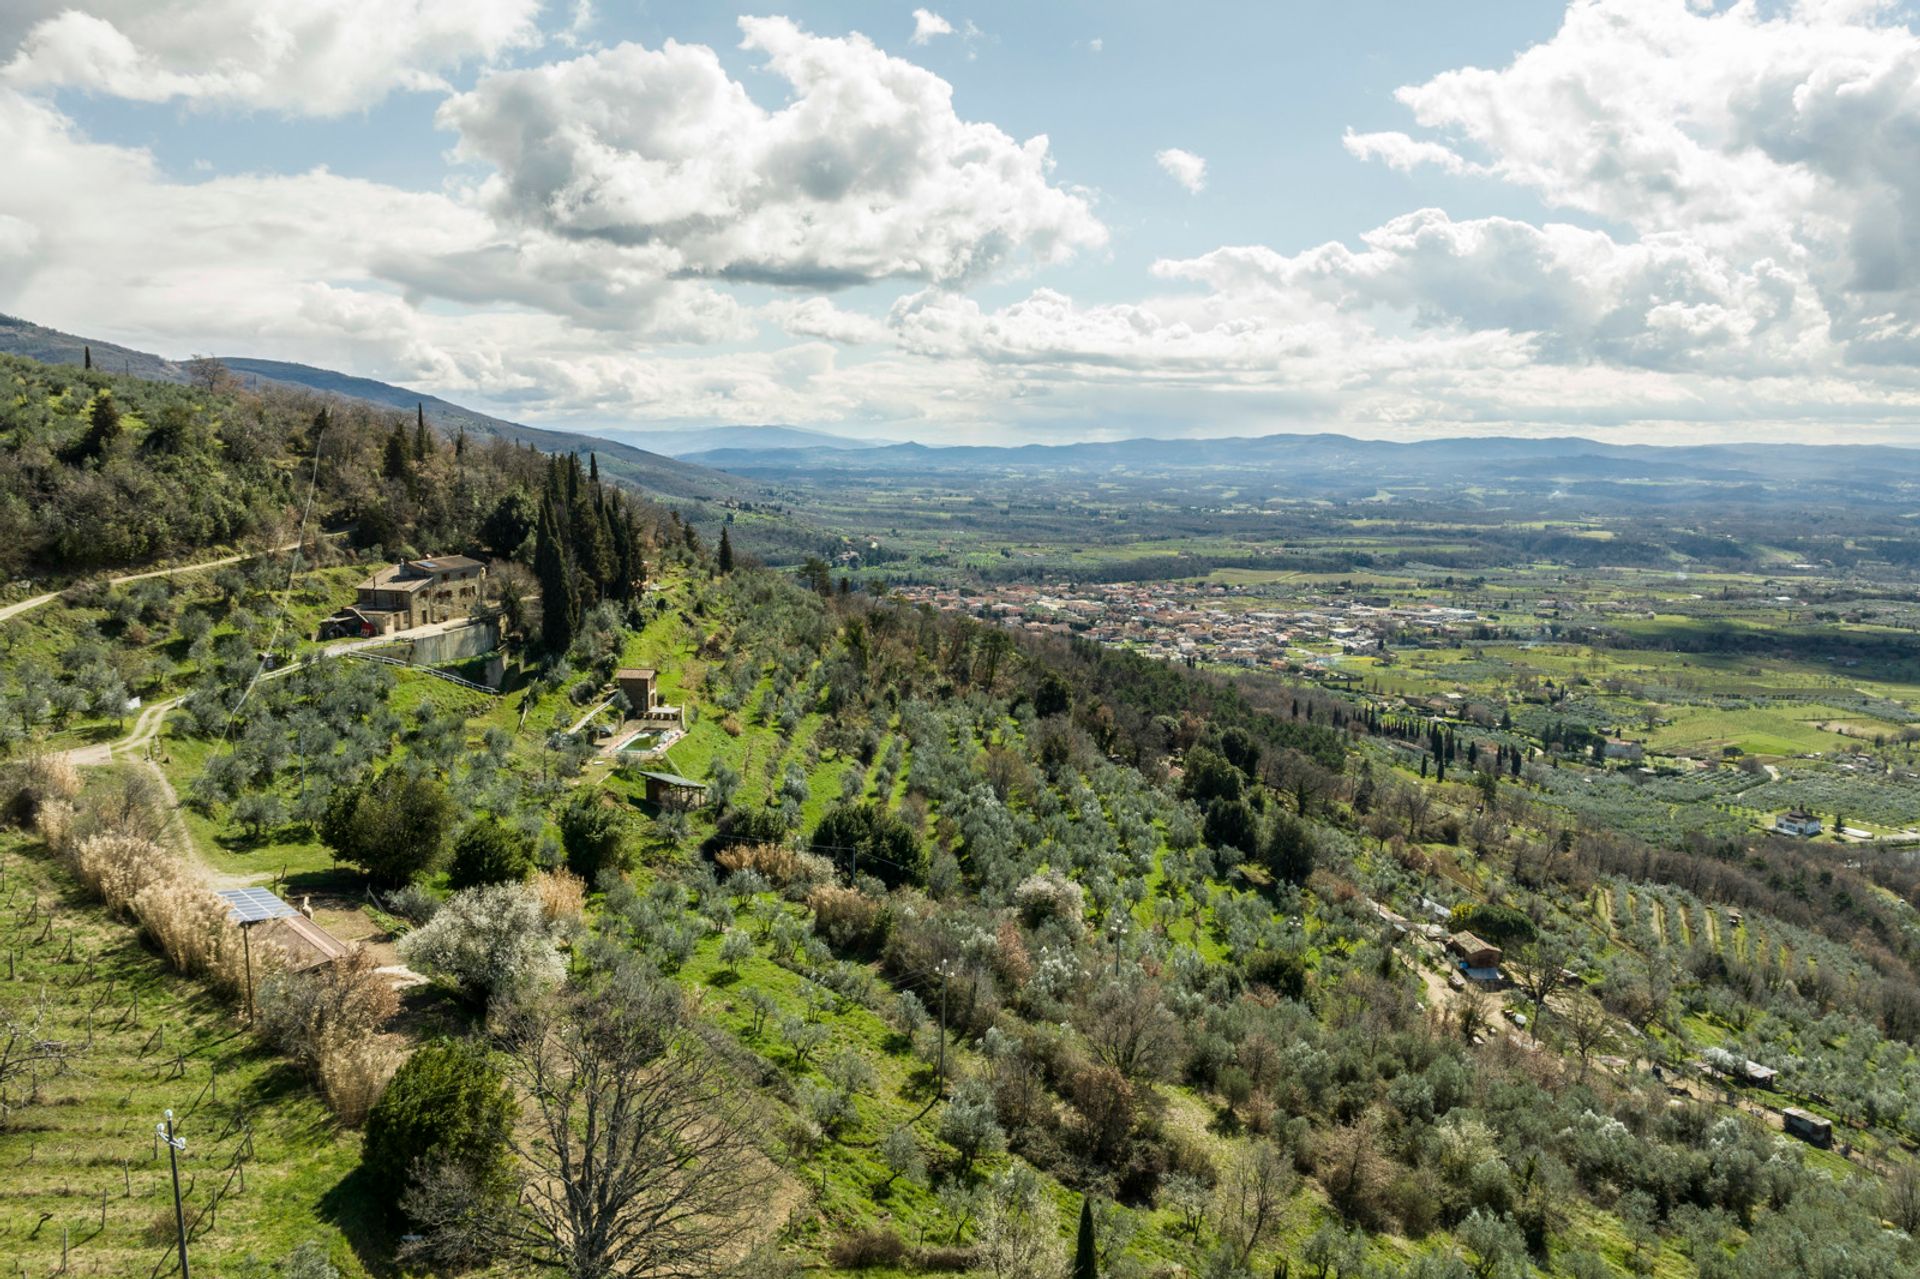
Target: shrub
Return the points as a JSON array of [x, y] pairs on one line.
[[848, 919], [943, 1259], [489, 851], [1501, 925], [448, 1104], [867, 1250], [486, 942], [308, 1261], [598, 836], [752, 826], [413, 903], [562, 895], [1051, 895]]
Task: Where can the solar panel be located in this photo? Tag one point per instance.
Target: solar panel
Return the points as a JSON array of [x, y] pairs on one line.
[[255, 905]]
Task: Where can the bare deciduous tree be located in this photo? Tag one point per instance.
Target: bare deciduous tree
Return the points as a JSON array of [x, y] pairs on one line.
[[1253, 1196], [1539, 970], [635, 1158], [29, 1052], [1586, 1024], [1131, 1030]]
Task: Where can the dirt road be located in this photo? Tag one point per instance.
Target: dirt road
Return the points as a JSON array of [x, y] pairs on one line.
[[38, 601]]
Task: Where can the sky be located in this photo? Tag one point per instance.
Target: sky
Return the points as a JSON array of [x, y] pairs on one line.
[[1661, 221]]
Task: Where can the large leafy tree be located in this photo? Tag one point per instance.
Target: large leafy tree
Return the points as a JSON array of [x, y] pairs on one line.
[[867, 839], [395, 826]]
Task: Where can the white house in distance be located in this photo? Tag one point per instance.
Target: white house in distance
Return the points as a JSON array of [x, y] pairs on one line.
[[1798, 823]]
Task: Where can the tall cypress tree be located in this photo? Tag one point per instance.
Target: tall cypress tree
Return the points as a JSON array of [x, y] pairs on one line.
[[1086, 1261], [726, 551], [559, 597], [422, 438]]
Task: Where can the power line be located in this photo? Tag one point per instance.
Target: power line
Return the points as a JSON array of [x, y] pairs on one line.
[[286, 595]]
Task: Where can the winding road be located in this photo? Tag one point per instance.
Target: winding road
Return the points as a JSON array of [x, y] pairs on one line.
[[38, 601]]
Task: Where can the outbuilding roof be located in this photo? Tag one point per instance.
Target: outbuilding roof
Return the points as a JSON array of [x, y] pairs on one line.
[[672, 779]]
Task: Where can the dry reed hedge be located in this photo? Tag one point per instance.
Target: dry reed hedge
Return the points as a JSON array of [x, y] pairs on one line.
[[327, 1019]]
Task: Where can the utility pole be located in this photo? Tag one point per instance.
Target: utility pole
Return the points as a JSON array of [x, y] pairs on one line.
[[174, 1146], [246, 944], [940, 1070]]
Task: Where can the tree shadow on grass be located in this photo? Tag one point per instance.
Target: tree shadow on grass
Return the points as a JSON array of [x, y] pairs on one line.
[[355, 1205], [921, 1083], [242, 842]]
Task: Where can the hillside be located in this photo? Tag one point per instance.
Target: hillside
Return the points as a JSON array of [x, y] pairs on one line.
[[699, 491], [975, 925]]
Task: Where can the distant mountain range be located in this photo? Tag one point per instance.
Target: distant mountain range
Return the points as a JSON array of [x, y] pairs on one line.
[[692, 488], [699, 469], [1344, 468]]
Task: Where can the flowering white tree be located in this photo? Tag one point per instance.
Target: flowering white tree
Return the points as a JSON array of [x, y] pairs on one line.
[[489, 942]]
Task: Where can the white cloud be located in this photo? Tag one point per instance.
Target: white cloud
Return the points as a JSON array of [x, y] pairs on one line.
[[866, 173], [1405, 154], [317, 57], [1184, 167], [818, 317], [1096, 44], [927, 25], [1757, 134]]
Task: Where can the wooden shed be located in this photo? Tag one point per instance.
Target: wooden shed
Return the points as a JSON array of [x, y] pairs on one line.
[[1473, 952], [1807, 1126], [670, 790]]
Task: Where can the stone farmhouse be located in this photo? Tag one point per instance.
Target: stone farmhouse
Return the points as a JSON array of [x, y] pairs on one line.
[[403, 596]]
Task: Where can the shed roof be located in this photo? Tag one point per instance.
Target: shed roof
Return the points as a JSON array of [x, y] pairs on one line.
[[672, 779]]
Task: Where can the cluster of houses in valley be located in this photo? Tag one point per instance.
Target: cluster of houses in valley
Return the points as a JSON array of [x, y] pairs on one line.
[[1186, 621]]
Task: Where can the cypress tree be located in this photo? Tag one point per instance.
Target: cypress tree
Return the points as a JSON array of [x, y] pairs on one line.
[[726, 552], [1086, 1263], [86, 353], [559, 598], [397, 456], [422, 438]]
